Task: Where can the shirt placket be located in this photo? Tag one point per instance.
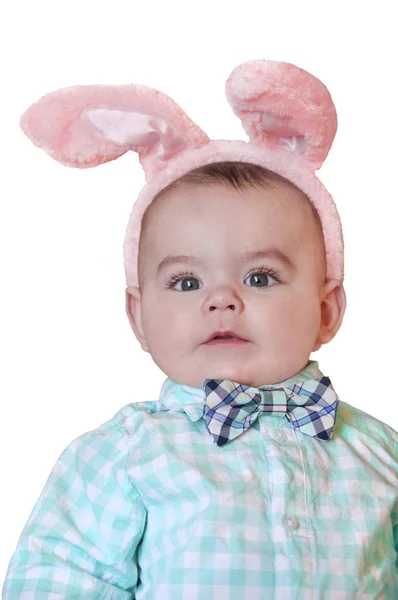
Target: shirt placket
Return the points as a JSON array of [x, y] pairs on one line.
[[286, 491]]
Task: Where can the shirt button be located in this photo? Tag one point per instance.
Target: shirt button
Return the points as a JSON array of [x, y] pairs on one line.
[[291, 523], [280, 435]]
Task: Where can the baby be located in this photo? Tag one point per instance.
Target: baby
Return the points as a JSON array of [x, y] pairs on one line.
[[254, 268], [249, 478]]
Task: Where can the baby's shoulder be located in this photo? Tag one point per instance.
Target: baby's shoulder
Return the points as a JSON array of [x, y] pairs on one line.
[[355, 421], [146, 406], [109, 437]]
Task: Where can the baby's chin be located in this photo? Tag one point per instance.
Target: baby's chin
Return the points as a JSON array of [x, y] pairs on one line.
[[252, 380], [252, 373], [235, 377]]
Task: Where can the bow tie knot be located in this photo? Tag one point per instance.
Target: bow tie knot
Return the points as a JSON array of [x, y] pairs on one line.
[[231, 408]]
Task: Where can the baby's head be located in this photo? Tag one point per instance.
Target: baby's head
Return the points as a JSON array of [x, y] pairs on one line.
[[280, 301], [285, 304]]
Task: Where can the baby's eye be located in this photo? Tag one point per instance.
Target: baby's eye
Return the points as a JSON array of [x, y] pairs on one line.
[[260, 277], [182, 276], [186, 287], [263, 276]]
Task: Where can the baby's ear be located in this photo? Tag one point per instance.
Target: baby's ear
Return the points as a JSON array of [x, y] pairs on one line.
[[282, 105], [334, 302], [133, 310], [87, 125]]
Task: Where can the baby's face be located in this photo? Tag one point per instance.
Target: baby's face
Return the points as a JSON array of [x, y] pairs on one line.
[[279, 315]]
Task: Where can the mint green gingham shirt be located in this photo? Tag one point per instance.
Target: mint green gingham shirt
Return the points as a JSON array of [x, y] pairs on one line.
[[147, 507]]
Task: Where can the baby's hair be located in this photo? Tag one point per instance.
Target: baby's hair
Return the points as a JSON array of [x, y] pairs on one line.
[[239, 175]]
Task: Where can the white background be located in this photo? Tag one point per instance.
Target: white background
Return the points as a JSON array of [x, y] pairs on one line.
[[69, 359]]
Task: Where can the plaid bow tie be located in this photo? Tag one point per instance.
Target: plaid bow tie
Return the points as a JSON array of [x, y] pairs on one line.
[[231, 407]]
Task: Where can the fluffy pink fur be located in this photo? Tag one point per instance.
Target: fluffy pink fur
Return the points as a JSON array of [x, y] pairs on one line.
[[288, 114], [299, 104]]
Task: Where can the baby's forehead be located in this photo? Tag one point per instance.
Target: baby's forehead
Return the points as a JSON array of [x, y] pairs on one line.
[[214, 196], [250, 211]]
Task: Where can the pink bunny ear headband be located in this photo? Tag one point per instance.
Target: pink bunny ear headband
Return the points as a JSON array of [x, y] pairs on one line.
[[287, 113]]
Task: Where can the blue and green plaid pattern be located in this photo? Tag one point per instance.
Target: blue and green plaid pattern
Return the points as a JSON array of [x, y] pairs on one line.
[[232, 407], [147, 507]]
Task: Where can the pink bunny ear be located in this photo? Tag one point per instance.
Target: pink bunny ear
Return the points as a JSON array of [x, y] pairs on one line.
[[84, 126], [280, 104]]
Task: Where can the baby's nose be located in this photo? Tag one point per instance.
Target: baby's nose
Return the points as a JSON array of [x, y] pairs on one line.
[[223, 299], [214, 307]]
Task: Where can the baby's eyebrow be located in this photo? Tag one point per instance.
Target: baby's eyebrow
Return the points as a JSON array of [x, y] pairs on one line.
[[273, 252]]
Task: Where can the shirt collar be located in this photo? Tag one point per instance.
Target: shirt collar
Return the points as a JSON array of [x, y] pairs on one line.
[[178, 397]]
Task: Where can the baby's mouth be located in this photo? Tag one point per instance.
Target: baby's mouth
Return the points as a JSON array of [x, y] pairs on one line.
[[226, 341]]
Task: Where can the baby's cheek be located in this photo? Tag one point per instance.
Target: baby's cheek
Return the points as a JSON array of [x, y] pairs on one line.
[[305, 321], [295, 321], [165, 328]]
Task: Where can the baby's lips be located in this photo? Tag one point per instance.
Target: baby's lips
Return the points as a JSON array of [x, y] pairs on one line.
[[224, 333]]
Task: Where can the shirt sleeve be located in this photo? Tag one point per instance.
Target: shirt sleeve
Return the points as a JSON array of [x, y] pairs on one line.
[[81, 539], [394, 516], [395, 535]]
